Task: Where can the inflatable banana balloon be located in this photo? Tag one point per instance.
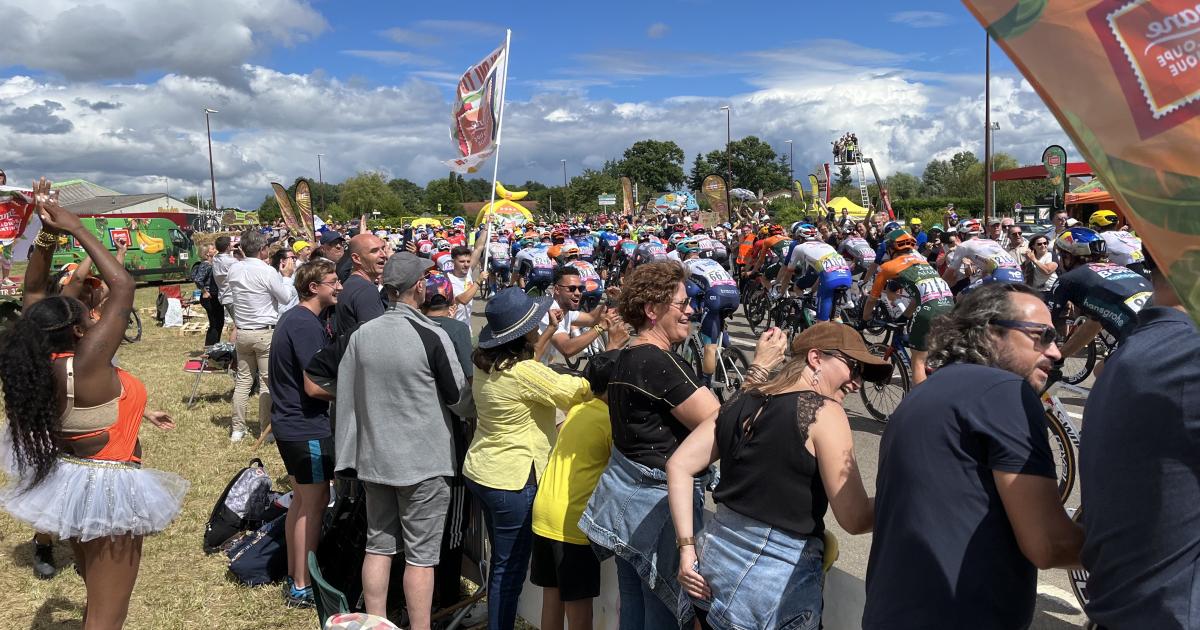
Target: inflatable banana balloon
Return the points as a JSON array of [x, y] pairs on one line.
[[508, 194]]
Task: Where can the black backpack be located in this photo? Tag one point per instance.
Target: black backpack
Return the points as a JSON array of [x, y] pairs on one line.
[[245, 504], [260, 557]]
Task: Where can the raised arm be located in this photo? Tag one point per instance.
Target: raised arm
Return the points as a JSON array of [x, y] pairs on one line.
[[37, 272], [98, 346]]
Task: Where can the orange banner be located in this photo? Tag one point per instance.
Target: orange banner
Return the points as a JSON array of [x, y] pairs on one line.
[[1123, 79]]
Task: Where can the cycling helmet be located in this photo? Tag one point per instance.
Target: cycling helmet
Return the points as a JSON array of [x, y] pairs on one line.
[[677, 237], [764, 231], [1080, 241], [795, 226], [804, 232], [775, 230], [687, 246], [970, 226], [891, 226], [568, 251], [900, 240], [526, 243], [697, 228], [1103, 218], [443, 245]]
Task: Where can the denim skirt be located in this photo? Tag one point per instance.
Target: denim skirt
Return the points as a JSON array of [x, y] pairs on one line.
[[760, 576]]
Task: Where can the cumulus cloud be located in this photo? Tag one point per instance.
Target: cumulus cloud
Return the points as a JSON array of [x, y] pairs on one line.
[[271, 128], [921, 19], [657, 30], [210, 39]]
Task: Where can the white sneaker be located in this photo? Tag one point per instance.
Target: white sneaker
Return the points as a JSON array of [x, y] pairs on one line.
[[237, 436]]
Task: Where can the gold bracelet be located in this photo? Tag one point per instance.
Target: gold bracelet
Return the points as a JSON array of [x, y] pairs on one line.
[[686, 541], [46, 240], [600, 329]]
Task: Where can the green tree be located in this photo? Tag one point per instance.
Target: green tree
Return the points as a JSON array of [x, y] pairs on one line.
[[476, 189], [843, 184], [445, 193], [755, 165], [409, 196], [902, 186], [935, 179], [966, 176], [584, 189], [365, 193], [701, 168], [655, 164]]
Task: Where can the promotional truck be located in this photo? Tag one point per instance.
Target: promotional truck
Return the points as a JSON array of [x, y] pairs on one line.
[[159, 249]]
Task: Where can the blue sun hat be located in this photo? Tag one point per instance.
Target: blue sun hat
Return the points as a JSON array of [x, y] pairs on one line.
[[510, 314]]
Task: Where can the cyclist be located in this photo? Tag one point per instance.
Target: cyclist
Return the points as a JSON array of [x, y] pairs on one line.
[[855, 249], [442, 257], [988, 260], [769, 254], [499, 260], [425, 246], [909, 272], [649, 249], [593, 284], [823, 266], [714, 295], [586, 244], [1121, 247], [1109, 295], [535, 270]]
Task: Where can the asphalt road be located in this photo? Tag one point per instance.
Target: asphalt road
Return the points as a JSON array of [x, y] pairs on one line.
[[1056, 608]]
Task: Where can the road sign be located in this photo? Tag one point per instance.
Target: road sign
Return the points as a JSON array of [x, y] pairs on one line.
[[607, 200]]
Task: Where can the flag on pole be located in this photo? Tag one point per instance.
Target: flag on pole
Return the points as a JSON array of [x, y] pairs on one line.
[[1122, 79], [475, 117], [14, 213]]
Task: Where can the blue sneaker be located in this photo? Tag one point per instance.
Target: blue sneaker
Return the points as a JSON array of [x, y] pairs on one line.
[[298, 597]]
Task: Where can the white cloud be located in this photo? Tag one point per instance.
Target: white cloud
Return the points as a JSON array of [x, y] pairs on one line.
[[657, 30], [79, 41], [393, 57], [921, 19], [126, 136]]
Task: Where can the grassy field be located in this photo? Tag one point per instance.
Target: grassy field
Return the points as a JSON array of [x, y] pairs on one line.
[[179, 586]]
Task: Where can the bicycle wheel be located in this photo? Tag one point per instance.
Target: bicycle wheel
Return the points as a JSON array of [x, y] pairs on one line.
[[133, 330], [730, 373], [755, 308], [881, 399], [1063, 452], [1078, 367]]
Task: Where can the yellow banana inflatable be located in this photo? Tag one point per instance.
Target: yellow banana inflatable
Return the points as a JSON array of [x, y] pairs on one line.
[[508, 194], [149, 244]]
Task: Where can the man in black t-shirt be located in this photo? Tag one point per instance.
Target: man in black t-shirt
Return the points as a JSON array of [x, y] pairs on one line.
[[360, 300], [966, 505]]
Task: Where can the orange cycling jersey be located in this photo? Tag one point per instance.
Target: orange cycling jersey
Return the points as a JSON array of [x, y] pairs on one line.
[[764, 245]]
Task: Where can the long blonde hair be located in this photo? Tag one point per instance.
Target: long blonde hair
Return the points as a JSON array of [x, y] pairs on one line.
[[784, 380]]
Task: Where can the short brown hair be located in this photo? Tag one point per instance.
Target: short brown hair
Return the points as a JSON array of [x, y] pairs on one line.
[[312, 271], [652, 283]]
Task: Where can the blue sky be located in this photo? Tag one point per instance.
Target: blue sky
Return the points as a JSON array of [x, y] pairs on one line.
[[369, 83]]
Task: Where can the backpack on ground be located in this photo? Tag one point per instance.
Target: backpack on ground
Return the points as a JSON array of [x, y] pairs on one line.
[[261, 556], [245, 504]]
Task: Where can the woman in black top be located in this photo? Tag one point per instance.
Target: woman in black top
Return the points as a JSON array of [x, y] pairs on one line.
[[786, 454], [655, 399]]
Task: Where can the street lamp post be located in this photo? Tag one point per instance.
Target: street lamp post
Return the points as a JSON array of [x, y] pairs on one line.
[[321, 178], [212, 177], [791, 165], [728, 154], [992, 150], [988, 201], [564, 165]]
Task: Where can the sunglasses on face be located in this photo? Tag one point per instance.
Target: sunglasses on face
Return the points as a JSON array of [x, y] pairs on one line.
[[856, 367], [573, 288], [1042, 334]]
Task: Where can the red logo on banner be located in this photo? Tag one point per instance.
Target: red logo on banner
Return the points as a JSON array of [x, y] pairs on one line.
[[14, 216], [1154, 47]]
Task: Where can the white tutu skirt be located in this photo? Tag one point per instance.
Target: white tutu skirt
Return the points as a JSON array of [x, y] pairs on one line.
[[87, 499]]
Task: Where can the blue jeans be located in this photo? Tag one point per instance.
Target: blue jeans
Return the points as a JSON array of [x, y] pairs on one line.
[[760, 576], [640, 607], [508, 515]]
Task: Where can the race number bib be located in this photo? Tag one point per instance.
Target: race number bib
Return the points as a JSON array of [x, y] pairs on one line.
[[933, 288], [1138, 301], [833, 262]]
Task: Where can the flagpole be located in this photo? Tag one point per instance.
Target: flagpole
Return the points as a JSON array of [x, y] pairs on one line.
[[499, 137]]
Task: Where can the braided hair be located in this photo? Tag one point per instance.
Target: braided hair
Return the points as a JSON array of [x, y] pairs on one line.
[[27, 375]]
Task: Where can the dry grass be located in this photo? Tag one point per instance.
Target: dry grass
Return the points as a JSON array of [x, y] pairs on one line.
[[179, 586]]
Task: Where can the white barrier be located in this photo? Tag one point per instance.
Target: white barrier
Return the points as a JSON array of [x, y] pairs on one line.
[[845, 596]]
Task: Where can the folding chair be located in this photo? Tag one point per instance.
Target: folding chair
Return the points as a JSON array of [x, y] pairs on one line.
[[330, 601], [206, 364]]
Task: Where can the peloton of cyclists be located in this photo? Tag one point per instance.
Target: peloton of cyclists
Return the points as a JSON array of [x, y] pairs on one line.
[[825, 271]]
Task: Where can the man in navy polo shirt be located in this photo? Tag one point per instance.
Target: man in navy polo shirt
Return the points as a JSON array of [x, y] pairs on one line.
[[1139, 469]]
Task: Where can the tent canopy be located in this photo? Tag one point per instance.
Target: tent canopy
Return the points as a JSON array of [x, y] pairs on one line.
[[854, 210], [421, 222]]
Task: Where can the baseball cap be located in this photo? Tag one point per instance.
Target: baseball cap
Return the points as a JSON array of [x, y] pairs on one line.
[[299, 246], [438, 290], [404, 270], [914, 221], [832, 336], [331, 237]]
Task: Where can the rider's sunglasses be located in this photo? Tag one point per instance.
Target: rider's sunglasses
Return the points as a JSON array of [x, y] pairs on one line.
[[573, 288], [856, 366], [1042, 334]]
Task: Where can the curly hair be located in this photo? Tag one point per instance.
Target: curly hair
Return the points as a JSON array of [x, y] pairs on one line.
[[649, 284], [963, 335], [503, 356], [27, 374]]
